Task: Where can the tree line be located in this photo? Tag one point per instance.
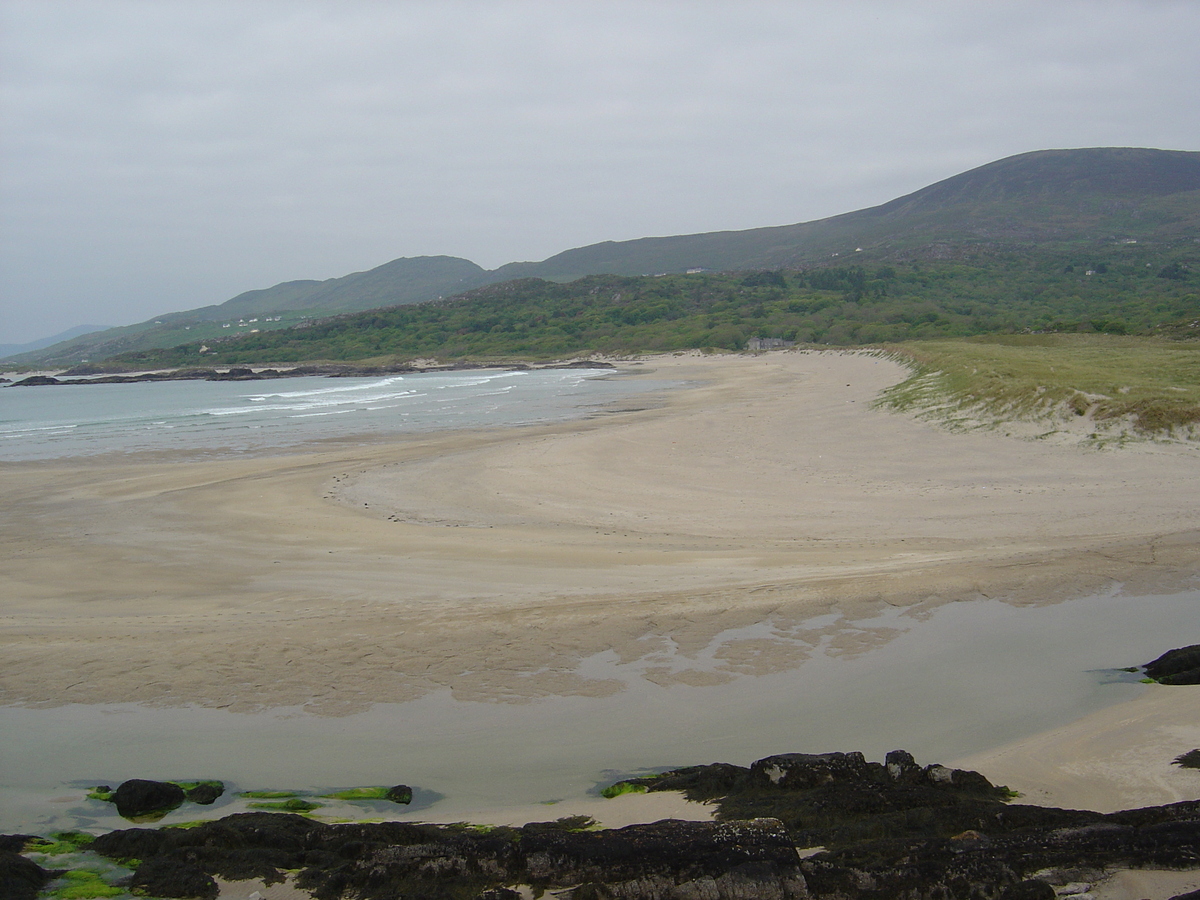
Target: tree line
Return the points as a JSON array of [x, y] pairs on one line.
[[840, 305]]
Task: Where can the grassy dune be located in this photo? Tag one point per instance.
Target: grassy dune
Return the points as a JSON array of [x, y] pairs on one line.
[[1138, 387]]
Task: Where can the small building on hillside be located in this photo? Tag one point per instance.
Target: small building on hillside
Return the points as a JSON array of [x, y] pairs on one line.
[[755, 344]]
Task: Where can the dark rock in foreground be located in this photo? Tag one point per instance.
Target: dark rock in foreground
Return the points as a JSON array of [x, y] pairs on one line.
[[901, 830], [15, 843], [976, 864], [142, 800], [400, 793], [20, 878], [885, 830], [206, 793], [169, 877], [1032, 889], [1181, 666], [138, 797], [833, 799], [401, 860]]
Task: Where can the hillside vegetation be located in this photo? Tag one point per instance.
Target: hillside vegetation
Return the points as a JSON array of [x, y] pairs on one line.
[[285, 305], [1123, 289]]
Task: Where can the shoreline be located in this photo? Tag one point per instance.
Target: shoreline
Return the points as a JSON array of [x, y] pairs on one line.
[[1119, 757], [492, 562], [1136, 857], [72, 376], [500, 553]]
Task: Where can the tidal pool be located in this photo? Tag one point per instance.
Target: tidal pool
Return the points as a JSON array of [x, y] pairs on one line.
[[959, 679]]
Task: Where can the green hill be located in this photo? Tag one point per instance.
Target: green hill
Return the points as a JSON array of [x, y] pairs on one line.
[[400, 281], [1018, 220], [1116, 293], [410, 280]]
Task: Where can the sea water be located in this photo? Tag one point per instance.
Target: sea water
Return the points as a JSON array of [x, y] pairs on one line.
[[54, 421]]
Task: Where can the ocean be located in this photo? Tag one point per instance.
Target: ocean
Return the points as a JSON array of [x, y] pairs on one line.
[[234, 417]]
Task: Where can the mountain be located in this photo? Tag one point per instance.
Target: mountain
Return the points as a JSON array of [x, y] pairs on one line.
[[1047, 200], [11, 349], [409, 280], [1047, 196]]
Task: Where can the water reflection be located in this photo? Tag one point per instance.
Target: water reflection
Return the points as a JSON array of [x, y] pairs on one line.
[[959, 679]]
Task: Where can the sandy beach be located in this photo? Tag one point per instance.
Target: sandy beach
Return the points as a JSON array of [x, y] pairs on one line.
[[342, 574], [1116, 758]]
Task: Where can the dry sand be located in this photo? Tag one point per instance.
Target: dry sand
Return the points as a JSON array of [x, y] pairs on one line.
[[491, 562]]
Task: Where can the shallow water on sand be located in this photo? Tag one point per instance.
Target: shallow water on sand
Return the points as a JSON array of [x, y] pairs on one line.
[[963, 678]]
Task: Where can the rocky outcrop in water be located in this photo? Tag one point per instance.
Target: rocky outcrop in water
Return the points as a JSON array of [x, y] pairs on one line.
[[206, 793], [139, 797], [36, 381], [1181, 666], [399, 793]]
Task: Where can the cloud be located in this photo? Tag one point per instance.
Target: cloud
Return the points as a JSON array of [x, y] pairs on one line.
[[164, 155]]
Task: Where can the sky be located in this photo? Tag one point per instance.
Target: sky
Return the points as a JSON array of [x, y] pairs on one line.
[[168, 154]]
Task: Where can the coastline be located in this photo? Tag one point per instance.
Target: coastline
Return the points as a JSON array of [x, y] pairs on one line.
[[492, 563], [84, 375], [1115, 758]]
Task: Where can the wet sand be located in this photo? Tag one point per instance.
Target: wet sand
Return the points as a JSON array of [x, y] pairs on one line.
[[492, 562], [1116, 758]]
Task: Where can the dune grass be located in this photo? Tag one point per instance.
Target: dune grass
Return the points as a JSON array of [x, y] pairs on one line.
[[1147, 385]]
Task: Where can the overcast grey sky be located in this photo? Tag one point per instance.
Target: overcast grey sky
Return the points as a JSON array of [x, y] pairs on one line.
[[158, 156]]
